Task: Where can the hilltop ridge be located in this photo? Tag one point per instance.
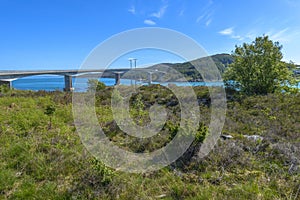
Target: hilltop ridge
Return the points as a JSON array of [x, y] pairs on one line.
[[189, 71]]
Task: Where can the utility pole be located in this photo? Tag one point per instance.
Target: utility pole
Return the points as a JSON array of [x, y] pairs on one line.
[[135, 71], [131, 60]]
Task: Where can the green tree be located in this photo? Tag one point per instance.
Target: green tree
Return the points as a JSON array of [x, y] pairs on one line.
[[4, 89], [50, 110], [258, 68], [95, 85]]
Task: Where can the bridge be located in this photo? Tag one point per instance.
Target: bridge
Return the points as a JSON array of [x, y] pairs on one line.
[[6, 77]]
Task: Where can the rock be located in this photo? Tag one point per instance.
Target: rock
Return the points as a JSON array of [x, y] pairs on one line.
[[226, 137], [253, 137], [203, 101], [18, 174], [172, 103], [293, 168], [12, 105], [161, 196], [177, 173]]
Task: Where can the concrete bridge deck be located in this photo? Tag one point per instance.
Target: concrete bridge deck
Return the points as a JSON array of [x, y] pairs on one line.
[[7, 76]]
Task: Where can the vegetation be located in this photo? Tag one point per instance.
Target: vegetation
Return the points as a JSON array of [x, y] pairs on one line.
[[186, 69], [256, 157], [95, 85], [41, 163], [258, 68], [50, 109], [222, 61]]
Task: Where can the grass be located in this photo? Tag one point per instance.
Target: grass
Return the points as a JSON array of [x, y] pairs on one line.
[[38, 162]]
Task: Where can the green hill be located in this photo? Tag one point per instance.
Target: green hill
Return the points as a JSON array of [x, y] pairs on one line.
[[188, 70]]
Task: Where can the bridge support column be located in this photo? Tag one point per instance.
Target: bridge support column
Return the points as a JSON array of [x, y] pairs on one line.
[[149, 78], [68, 83], [117, 78], [7, 83]]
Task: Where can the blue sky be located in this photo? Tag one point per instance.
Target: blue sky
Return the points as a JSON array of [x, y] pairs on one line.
[[59, 34]]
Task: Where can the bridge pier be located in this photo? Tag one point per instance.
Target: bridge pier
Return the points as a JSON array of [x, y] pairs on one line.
[[68, 83], [117, 77], [7, 83], [149, 78]]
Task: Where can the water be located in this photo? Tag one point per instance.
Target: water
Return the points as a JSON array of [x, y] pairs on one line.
[[52, 83]]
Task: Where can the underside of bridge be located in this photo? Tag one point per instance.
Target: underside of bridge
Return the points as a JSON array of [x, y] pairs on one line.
[[6, 79], [7, 83]]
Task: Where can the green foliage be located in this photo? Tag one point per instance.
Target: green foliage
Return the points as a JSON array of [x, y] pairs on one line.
[[106, 173], [95, 85], [4, 89], [258, 68], [50, 110], [201, 133], [37, 163], [187, 69], [172, 128], [138, 104]]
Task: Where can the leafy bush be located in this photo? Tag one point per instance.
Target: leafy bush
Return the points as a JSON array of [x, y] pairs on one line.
[[258, 69], [95, 85]]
